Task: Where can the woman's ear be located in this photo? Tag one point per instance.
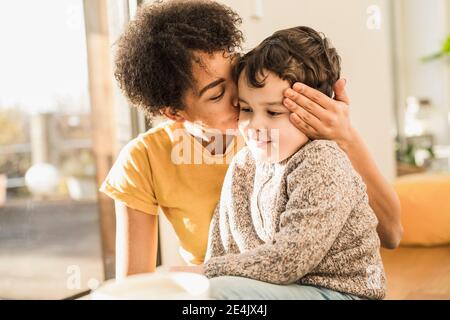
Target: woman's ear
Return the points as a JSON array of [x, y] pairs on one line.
[[172, 114]]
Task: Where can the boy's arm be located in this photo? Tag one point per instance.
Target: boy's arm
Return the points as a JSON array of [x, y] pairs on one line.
[[321, 117], [215, 246], [307, 228], [136, 241]]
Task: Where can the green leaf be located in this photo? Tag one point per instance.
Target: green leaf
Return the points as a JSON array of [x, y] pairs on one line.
[[444, 51], [432, 57], [446, 46]]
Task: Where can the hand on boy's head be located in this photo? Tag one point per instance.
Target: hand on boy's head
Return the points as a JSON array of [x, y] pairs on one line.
[[339, 91], [319, 116]]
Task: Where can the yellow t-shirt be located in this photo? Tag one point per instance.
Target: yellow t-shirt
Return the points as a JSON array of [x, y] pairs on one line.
[[166, 167]]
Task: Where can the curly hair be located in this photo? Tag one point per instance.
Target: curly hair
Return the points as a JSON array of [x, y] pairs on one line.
[[298, 54], [153, 63]]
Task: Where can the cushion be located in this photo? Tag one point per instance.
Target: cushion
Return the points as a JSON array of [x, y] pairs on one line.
[[425, 201]]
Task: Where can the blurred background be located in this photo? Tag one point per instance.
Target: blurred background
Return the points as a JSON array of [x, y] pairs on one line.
[[63, 121]]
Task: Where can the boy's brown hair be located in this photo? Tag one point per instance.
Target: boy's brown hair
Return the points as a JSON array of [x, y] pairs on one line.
[[297, 54]]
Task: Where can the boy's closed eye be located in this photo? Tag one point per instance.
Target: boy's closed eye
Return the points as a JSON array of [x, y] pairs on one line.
[[245, 109], [272, 113], [275, 113]]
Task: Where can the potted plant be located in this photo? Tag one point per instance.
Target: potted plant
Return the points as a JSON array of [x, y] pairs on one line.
[[444, 52]]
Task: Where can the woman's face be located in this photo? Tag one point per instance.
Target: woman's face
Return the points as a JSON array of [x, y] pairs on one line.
[[213, 104], [264, 121]]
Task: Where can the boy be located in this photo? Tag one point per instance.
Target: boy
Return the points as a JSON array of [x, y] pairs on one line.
[[293, 212]]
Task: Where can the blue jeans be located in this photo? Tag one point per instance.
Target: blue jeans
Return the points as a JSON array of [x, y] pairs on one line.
[[237, 288]]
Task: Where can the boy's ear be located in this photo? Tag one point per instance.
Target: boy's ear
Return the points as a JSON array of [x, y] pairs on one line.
[[172, 114]]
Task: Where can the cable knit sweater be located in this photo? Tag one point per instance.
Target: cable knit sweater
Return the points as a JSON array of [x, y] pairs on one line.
[[305, 220]]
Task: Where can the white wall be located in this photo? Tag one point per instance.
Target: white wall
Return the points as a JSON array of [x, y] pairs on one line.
[[366, 56], [421, 28]]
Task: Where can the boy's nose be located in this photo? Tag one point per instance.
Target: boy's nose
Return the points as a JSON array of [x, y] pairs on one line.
[[257, 124], [259, 134]]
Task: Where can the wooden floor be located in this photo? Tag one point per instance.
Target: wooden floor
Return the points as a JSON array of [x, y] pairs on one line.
[[418, 273]]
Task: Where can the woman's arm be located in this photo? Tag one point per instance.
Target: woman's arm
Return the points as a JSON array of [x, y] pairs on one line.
[[321, 117], [136, 241], [382, 197]]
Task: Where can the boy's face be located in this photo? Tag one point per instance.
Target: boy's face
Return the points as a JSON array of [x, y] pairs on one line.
[[264, 121], [213, 103]]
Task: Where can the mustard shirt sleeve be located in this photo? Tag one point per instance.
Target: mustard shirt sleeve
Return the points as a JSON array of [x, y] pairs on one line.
[[130, 178]]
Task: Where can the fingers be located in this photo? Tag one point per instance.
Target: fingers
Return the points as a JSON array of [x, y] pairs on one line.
[[309, 131], [304, 115], [298, 103], [339, 91], [300, 89]]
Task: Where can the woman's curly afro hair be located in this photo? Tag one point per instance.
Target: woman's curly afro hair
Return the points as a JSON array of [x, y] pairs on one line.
[[153, 63]]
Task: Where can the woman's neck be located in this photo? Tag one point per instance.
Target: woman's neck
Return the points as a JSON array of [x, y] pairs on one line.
[[212, 140]]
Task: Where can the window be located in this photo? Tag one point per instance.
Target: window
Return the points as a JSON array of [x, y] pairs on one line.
[[50, 243]]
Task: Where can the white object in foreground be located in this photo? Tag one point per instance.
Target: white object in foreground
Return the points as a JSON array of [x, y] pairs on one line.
[[155, 286]]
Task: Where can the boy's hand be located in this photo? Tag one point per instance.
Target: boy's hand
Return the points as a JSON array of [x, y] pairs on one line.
[[193, 269], [319, 116]]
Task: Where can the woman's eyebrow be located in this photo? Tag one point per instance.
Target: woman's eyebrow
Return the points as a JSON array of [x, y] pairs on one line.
[[210, 86]]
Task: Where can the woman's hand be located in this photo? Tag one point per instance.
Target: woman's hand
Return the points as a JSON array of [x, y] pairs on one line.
[[193, 269], [319, 116]]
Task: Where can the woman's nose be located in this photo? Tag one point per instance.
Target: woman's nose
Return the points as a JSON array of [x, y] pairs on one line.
[[234, 98], [235, 102]]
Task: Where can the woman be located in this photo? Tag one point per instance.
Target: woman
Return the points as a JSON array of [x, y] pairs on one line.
[[176, 59]]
